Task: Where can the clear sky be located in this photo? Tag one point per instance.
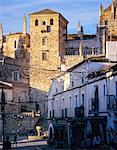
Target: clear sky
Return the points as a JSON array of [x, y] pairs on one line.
[[12, 12]]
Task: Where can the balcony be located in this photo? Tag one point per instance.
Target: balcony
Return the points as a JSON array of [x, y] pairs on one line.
[[79, 111], [111, 102]]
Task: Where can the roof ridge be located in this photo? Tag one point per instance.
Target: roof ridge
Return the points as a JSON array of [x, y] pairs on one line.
[[45, 11]]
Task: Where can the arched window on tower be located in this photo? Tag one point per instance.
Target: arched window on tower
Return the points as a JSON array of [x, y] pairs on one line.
[[43, 22], [36, 22], [51, 21]]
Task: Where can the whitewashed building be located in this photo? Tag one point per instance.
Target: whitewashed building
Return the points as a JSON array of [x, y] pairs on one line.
[[83, 101]]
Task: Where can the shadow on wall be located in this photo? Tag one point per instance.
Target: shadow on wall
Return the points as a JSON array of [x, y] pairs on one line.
[[40, 99]]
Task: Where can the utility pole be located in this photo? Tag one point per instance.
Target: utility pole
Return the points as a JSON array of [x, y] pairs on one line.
[[3, 114]]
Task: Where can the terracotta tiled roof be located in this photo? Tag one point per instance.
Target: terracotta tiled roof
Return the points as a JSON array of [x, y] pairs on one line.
[[45, 11]]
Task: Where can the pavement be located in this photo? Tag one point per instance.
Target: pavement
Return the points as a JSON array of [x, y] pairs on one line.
[[25, 144], [29, 145]]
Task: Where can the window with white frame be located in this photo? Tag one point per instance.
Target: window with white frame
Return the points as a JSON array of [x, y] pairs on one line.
[[15, 76]]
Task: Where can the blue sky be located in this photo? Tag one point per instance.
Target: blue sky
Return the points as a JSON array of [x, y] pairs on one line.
[[12, 12]]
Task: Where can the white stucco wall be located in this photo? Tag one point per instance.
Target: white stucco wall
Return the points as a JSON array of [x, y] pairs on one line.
[[111, 50]]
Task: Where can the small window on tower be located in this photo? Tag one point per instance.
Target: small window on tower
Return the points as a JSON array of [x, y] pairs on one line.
[[36, 22], [15, 44], [44, 41], [48, 28], [44, 57], [43, 22], [51, 21], [106, 22]]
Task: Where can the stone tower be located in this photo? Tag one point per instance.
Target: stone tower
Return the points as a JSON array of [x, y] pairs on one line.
[[48, 32], [108, 17], [25, 26], [80, 30], [1, 37]]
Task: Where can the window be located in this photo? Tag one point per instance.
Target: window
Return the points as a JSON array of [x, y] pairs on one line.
[[50, 114], [72, 83], [65, 112], [63, 103], [15, 76], [104, 89], [62, 84], [15, 44], [53, 113], [51, 21], [43, 23], [70, 102], [106, 22], [82, 103], [44, 41], [96, 98], [44, 57], [48, 28], [36, 22]]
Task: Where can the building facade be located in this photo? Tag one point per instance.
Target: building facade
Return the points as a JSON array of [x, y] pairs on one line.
[[82, 103], [50, 49]]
